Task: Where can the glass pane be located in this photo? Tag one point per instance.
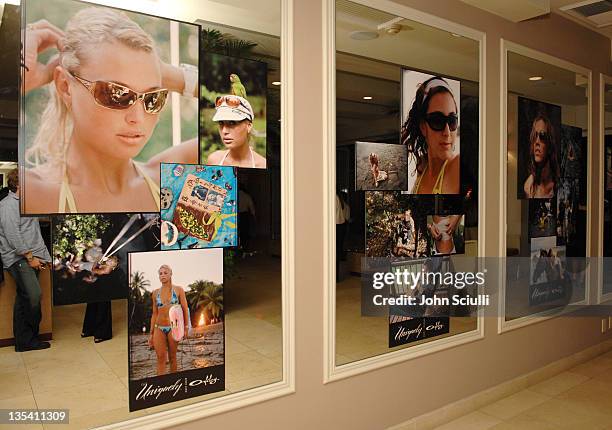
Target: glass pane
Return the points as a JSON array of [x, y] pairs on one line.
[[547, 186], [91, 379], [607, 234], [380, 59]]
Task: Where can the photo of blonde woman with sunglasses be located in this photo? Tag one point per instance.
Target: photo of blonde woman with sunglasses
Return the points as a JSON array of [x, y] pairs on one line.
[[87, 143], [430, 131]]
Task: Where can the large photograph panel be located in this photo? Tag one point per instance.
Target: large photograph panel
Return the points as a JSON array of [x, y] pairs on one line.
[[430, 131], [99, 111], [176, 326], [90, 254], [539, 152], [233, 111]]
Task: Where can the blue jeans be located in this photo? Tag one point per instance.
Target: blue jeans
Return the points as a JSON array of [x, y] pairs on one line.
[[26, 312]]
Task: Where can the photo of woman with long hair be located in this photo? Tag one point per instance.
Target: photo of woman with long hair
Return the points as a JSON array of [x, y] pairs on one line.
[[430, 132], [107, 87], [539, 149], [161, 338], [543, 166]]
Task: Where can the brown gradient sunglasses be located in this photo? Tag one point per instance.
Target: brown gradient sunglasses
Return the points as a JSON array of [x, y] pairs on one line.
[[111, 95]]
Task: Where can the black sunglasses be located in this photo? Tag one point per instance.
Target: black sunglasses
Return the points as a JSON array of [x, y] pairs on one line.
[[542, 135], [437, 121]]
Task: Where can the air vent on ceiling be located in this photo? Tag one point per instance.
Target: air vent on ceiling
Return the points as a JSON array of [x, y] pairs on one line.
[[598, 13]]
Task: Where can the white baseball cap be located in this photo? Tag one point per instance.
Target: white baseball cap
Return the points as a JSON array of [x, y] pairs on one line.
[[232, 108]]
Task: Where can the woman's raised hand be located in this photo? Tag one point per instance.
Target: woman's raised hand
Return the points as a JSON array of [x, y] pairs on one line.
[[40, 36], [435, 233]]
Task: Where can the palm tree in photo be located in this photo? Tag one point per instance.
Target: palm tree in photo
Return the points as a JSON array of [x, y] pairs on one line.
[[138, 285], [212, 40], [138, 296], [207, 296]]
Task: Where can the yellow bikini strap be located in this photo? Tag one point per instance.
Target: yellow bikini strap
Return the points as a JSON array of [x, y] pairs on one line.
[[437, 188], [152, 185], [65, 195]]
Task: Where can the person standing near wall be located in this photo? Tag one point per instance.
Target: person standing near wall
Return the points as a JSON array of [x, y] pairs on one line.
[[24, 254]]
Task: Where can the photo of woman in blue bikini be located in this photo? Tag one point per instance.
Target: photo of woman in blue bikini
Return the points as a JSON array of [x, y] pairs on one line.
[[176, 318], [166, 332]]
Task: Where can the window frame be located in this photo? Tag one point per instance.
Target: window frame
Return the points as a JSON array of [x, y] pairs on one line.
[[506, 47], [286, 385], [331, 371], [603, 80]]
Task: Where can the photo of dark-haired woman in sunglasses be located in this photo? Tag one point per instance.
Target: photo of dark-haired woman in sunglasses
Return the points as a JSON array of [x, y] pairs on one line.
[[430, 133], [543, 167], [106, 90]]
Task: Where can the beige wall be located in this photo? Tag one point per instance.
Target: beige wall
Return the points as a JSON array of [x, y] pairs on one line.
[[394, 394]]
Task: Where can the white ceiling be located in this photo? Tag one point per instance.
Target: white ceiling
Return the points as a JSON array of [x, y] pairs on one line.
[[416, 46], [519, 10], [556, 6], [514, 10]]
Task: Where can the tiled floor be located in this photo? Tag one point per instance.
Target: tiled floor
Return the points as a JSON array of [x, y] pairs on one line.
[[577, 399], [91, 379]]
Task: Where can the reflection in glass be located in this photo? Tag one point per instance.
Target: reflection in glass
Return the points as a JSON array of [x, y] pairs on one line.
[[546, 186], [368, 143]]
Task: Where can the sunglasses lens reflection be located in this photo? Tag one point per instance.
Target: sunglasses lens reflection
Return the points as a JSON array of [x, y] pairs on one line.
[[154, 102], [231, 101], [115, 96]]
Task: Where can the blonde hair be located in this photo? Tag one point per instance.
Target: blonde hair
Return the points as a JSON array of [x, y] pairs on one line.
[[165, 266], [86, 29]]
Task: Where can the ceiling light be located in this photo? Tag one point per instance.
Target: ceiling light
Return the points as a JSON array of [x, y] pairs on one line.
[[535, 78], [393, 29], [277, 83], [363, 35], [367, 97], [455, 35]]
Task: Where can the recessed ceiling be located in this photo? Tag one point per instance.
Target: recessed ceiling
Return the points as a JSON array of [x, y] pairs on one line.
[[595, 13], [557, 86], [513, 10], [519, 10], [558, 5], [416, 45]]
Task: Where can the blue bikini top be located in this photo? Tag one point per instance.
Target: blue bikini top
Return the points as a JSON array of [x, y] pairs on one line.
[[173, 301]]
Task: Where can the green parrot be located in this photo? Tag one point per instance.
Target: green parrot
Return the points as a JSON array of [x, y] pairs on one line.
[[237, 87]]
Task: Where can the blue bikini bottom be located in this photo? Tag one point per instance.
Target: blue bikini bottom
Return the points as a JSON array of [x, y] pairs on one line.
[[165, 329]]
